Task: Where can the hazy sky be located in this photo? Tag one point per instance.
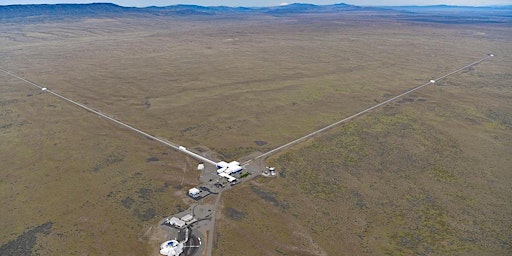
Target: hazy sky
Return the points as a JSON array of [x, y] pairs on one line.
[[142, 3]]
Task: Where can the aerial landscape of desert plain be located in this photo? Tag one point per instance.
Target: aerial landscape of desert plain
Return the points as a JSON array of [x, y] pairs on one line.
[[428, 173]]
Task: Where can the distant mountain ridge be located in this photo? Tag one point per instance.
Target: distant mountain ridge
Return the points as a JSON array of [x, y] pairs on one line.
[[284, 9], [20, 11], [56, 11], [109, 9], [443, 7]]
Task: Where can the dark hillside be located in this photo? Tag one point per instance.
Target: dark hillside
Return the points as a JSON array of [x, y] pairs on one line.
[[9, 11], [436, 14], [45, 12], [311, 8], [450, 14]]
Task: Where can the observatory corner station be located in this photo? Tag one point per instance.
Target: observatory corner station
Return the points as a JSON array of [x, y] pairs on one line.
[[229, 173], [223, 169], [226, 169]]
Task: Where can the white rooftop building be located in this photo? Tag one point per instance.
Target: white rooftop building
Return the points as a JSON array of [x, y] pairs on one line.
[[229, 168], [171, 248], [187, 218], [226, 169], [176, 222], [194, 192], [227, 176]]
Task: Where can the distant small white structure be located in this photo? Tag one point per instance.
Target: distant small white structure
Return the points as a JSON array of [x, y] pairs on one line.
[[492, 55], [176, 222], [171, 248], [194, 192], [200, 167], [432, 81]]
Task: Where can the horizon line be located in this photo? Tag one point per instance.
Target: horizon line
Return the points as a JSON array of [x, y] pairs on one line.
[[295, 3]]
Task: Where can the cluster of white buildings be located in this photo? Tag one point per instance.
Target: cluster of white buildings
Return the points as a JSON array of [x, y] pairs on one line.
[[271, 171], [181, 222], [226, 169]]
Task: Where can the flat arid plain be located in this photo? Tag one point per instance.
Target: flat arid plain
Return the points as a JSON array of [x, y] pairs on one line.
[[429, 174]]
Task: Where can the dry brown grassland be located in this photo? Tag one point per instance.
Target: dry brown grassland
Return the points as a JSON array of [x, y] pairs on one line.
[[429, 174]]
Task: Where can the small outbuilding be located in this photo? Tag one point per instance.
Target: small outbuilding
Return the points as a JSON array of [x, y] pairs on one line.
[[176, 222], [194, 192], [187, 218], [227, 176]]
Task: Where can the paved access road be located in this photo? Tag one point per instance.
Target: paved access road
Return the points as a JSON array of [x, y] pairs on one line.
[[193, 246]]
